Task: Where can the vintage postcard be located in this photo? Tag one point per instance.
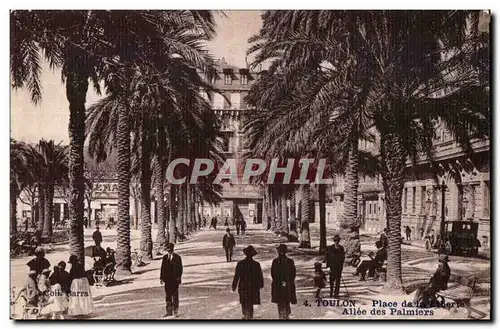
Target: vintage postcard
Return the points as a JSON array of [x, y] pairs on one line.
[[250, 165]]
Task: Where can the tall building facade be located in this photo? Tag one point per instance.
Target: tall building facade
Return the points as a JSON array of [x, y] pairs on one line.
[[234, 83], [456, 183]]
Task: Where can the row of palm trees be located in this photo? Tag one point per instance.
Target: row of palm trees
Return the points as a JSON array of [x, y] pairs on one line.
[[152, 66], [40, 168], [340, 77]]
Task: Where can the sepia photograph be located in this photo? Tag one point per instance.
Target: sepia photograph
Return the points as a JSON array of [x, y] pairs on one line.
[[250, 165]]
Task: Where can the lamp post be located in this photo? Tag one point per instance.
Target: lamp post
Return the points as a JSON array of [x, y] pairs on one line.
[[443, 191]]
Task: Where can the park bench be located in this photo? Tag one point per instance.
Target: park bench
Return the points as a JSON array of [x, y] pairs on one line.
[[460, 295]]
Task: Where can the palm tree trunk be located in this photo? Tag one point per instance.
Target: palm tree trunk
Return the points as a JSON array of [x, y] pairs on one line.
[[49, 210], [160, 199], [393, 175], [123, 261], [180, 210], [305, 238], [350, 223], [189, 206], [322, 218], [294, 236], [173, 213], [284, 214], [76, 91], [146, 244], [41, 207], [272, 194], [13, 207]]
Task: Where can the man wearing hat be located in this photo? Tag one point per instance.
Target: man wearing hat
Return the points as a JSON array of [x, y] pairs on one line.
[[97, 237], [228, 244], [383, 238], [170, 274], [334, 259], [249, 280], [283, 285], [440, 278]]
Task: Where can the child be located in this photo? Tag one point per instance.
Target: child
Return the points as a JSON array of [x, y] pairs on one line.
[[319, 278]]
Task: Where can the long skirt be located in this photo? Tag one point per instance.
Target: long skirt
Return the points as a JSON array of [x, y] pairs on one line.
[[80, 298], [59, 299]]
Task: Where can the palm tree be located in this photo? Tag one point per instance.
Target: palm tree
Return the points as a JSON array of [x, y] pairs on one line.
[[365, 59], [19, 177]]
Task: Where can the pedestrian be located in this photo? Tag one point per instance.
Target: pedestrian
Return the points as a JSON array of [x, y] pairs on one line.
[[421, 233], [171, 276], [433, 238], [238, 227], [226, 222], [254, 219], [268, 223], [97, 237], [408, 233], [228, 244], [334, 259], [243, 225], [283, 286], [249, 280], [377, 260], [80, 298], [319, 279], [85, 222], [383, 238], [413, 232], [63, 277], [213, 223], [39, 263], [58, 296]]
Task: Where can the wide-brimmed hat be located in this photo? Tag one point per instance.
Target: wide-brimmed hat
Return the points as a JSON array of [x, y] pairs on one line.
[[336, 238], [443, 258], [250, 251], [282, 248], [228, 230], [170, 246]]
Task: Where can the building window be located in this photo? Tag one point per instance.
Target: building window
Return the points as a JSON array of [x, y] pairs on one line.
[[244, 79], [486, 199], [235, 100], [369, 208], [405, 199], [413, 199], [218, 101], [227, 79]]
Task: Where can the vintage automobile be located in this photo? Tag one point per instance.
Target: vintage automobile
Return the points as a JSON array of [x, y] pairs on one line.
[[458, 237]]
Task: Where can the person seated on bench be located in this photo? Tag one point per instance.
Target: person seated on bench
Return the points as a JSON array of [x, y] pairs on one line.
[[376, 261], [31, 291], [109, 269], [426, 295]]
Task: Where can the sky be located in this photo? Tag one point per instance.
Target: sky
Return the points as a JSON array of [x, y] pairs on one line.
[[49, 118]]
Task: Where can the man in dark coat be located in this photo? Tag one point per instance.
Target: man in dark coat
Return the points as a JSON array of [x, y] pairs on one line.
[[170, 275], [97, 237], [377, 261], [228, 244], [249, 280], [283, 286], [383, 238], [334, 259]]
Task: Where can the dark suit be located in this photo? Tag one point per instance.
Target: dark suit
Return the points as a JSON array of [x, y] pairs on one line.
[[170, 275], [283, 273], [334, 259], [228, 243], [249, 280], [97, 237]]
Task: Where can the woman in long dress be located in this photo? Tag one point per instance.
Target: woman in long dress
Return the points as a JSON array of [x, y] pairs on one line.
[[58, 295], [80, 297]]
